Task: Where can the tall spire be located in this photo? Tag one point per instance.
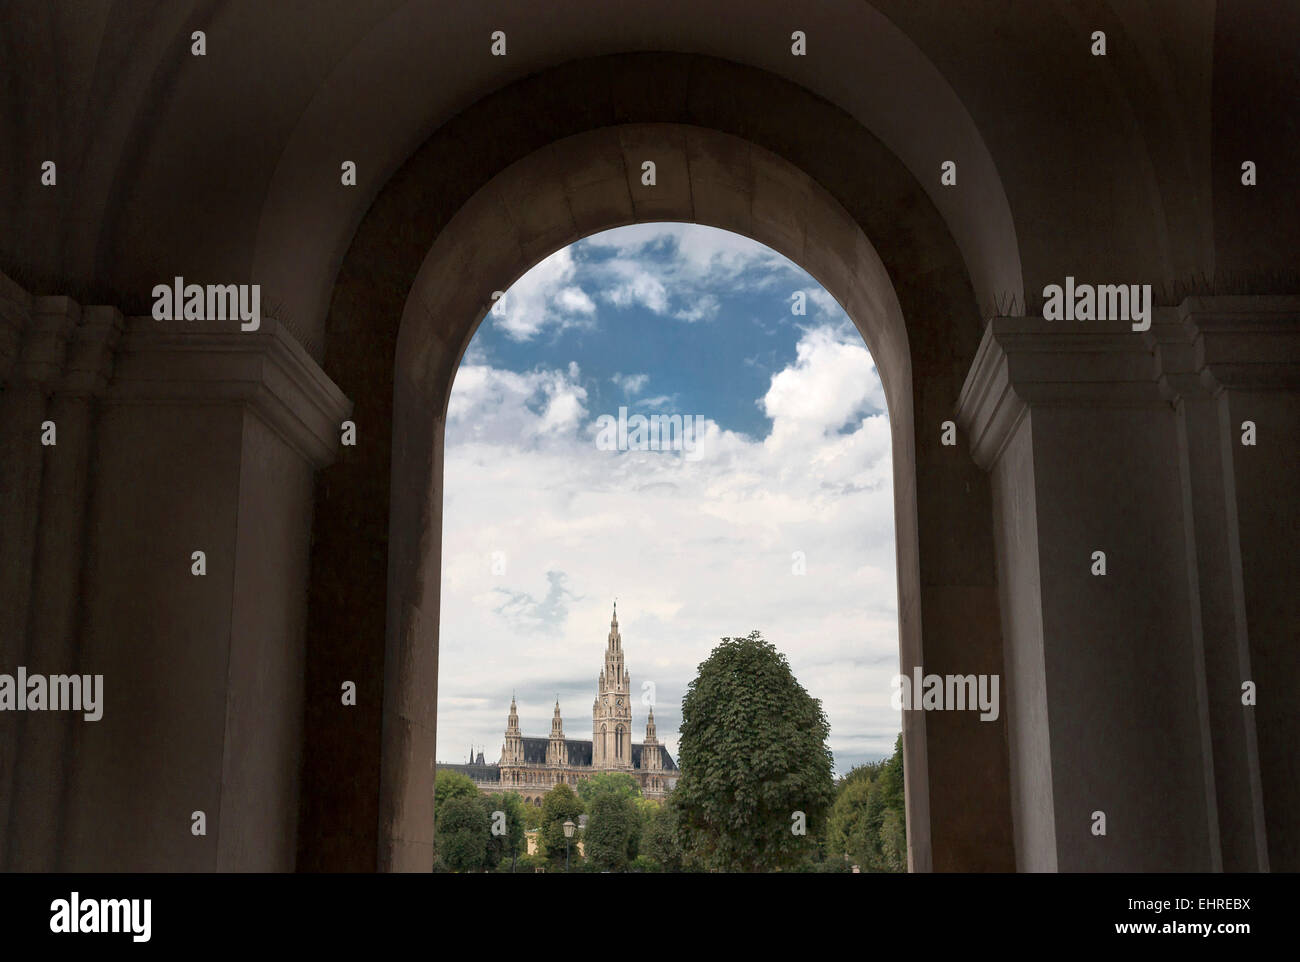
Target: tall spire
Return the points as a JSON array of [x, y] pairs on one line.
[[611, 722], [615, 639], [557, 752], [513, 752]]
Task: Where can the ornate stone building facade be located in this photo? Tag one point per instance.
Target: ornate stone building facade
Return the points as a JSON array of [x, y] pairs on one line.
[[533, 766]]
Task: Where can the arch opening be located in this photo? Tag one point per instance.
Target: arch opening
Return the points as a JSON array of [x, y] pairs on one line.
[[702, 177], [579, 185], [544, 519]]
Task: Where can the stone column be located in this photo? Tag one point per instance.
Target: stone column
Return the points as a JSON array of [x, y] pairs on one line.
[[1243, 425], [207, 442], [38, 363], [44, 737], [15, 309], [1107, 708], [22, 410]]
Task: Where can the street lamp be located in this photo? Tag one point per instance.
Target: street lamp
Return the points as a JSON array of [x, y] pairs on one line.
[[568, 834]]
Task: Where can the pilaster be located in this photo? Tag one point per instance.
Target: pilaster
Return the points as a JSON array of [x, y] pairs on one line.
[[207, 441], [1106, 706]]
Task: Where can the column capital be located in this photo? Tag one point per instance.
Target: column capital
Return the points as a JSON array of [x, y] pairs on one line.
[[1026, 362], [45, 341], [90, 356], [1245, 342], [205, 362]]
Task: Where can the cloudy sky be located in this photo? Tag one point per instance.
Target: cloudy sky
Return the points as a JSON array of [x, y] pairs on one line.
[[543, 528]]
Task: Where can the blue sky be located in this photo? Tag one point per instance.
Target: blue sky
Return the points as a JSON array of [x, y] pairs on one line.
[[542, 528]]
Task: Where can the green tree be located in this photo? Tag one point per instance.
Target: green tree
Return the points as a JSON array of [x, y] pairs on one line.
[[850, 832], [661, 843], [501, 847], [645, 812], [893, 841], [868, 820], [753, 753], [448, 785], [620, 783], [559, 805], [531, 863], [532, 817], [613, 830], [452, 838], [462, 833]]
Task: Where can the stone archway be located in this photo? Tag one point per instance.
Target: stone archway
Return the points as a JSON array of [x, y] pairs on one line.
[[1129, 696], [469, 213]]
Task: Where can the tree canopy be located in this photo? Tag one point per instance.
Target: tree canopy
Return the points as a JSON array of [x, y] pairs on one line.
[[868, 820], [613, 832], [755, 765], [464, 823], [462, 834], [558, 805], [619, 783]]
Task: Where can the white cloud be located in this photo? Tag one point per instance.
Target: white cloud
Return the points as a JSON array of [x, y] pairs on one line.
[[827, 306], [492, 406], [693, 549], [544, 297], [700, 251], [631, 384], [636, 285], [703, 308], [832, 383], [650, 260]]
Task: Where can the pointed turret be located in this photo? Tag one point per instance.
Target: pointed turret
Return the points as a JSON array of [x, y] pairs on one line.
[[513, 752], [650, 757], [557, 724], [557, 752], [615, 639]]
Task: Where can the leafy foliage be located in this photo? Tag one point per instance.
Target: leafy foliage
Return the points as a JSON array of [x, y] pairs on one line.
[[753, 753], [463, 839], [448, 785], [501, 847], [462, 832], [559, 805], [613, 832], [619, 783], [532, 817], [661, 842], [868, 820]]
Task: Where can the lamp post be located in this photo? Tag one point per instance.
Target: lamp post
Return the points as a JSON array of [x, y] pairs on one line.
[[568, 834]]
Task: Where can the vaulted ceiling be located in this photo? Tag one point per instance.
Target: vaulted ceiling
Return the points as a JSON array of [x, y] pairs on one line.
[[226, 167]]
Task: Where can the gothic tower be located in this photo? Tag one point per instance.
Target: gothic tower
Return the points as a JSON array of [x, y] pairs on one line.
[[611, 722], [650, 758], [513, 752], [557, 753]]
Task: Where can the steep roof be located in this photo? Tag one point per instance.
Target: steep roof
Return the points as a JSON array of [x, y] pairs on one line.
[[580, 753], [480, 773]]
